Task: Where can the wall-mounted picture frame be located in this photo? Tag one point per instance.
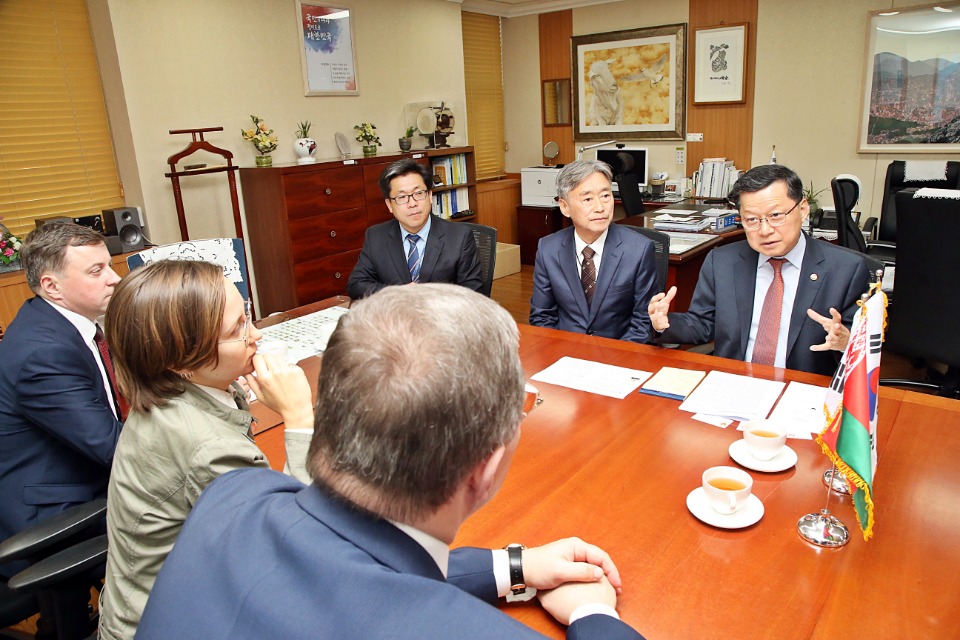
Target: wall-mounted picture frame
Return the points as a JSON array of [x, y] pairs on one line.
[[720, 64], [630, 85], [327, 53], [911, 81]]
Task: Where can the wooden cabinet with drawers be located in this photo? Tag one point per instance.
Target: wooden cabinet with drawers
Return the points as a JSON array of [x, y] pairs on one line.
[[306, 223]]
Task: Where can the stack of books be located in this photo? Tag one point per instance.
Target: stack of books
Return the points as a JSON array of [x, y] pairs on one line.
[[716, 178], [680, 222]]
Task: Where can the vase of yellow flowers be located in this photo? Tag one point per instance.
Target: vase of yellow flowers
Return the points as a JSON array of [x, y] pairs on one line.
[[367, 134], [263, 140], [9, 251]]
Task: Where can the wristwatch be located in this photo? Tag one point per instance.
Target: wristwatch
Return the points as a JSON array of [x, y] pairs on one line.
[[515, 556]]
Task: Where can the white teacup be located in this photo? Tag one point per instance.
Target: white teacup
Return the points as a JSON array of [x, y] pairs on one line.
[[727, 488], [765, 438]]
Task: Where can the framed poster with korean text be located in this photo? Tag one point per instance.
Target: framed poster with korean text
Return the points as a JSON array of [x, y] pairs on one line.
[[911, 86], [630, 85], [720, 64], [327, 53]]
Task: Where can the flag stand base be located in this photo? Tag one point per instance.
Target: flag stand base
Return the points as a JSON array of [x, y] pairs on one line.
[[836, 482], [823, 529]]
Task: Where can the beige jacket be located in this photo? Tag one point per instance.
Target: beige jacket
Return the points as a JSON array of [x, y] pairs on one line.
[[164, 460]]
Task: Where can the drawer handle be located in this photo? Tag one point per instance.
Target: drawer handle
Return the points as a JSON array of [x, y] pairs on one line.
[[328, 191], [337, 275], [333, 234]]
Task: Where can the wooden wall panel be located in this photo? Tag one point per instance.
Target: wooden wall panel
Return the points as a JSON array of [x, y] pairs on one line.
[[727, 129], [556, 29], [497, 202]]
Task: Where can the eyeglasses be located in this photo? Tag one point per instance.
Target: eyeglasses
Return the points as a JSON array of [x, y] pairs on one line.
[[752, 223], [418, 196], [531, 399], [247, 308]]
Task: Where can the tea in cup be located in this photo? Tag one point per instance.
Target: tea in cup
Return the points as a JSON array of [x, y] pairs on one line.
[[765, 438], [727, 488]]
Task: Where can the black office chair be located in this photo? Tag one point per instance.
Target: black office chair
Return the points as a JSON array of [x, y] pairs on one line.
[[894, 183], [486, 239], [846, 192], [629, 186], [661, 241], [64, 562], [923, 322]]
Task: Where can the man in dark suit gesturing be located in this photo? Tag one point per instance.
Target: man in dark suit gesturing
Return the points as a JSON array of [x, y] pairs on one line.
[[417, 246], [779, 297], [596, 277], [418, 415], [59, 417]]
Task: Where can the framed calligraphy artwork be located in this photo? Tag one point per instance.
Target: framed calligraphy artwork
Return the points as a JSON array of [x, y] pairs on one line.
[[720, 64], [327, 52]]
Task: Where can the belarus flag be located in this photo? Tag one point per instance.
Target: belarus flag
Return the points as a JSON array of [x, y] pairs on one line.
[[850, 436]]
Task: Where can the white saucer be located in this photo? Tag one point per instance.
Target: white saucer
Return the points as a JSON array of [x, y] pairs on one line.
[[780, 462], [699, 506]]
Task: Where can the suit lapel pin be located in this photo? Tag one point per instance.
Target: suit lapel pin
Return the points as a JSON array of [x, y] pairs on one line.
[[813, 277]]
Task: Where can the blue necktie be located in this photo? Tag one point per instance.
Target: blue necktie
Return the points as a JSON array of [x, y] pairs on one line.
[[413, 258]]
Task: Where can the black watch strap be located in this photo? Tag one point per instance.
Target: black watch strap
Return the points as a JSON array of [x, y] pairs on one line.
[[515, 556]]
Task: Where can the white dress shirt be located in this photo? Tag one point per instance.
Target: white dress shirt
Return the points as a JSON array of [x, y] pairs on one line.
[[790, 270], [596, 245]]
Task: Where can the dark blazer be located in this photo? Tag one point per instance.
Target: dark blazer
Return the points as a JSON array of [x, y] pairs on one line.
[[57, 431], [625, 284], [450, 256], [263, 556], [722, 306]]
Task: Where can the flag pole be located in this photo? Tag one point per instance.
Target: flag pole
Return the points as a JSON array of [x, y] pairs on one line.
[[824, 529]]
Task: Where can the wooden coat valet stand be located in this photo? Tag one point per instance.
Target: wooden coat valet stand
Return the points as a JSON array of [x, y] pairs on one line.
[[199, 144]]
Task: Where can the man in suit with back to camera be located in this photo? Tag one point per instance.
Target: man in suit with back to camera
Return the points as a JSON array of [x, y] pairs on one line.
[[779, 297], [417, 419], [59, 414], [417, 246], [596, 277]]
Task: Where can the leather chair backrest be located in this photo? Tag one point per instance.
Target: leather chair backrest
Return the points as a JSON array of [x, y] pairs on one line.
[[895, 182], [845, 195], [629, 186]]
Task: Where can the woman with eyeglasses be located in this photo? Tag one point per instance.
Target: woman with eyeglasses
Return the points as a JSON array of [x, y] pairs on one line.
[[180, 336]]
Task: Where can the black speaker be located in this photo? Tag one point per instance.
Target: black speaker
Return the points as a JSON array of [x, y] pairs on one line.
[[127, 225]]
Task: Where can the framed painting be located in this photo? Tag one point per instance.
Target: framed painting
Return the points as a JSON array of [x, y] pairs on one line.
[[912, 81], [630, 85], [327, 53], [720, 64]]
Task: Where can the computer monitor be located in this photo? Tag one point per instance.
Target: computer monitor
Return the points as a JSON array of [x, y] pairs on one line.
[[627, 159]]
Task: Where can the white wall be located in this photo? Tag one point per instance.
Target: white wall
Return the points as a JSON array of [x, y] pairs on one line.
[[186, 64]]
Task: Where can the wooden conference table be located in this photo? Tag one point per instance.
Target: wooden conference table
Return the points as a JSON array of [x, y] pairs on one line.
[[617, 473]]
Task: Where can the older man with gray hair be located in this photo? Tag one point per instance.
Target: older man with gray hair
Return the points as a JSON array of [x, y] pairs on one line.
[[594, 277], [418, 408]]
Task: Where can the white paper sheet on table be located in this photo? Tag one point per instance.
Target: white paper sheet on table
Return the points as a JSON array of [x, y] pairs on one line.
[[593, 377], [733, 396], [801, 409]]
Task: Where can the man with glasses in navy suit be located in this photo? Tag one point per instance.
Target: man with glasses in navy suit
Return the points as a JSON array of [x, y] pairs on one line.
[[416, 246], [779, 297]]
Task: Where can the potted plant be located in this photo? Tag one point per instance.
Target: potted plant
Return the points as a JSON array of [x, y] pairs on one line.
[[811, 197], [263, 139], [367, 134], [9, 250], [304, 146], [407, 140]]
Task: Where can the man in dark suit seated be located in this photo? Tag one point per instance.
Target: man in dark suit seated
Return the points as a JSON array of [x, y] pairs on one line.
[[774, 297], [417, 246], [596, 277], [418, 409], [59, 415]]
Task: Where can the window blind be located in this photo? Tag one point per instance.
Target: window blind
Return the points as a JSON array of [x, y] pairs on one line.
[[56, 154], [483, 73]]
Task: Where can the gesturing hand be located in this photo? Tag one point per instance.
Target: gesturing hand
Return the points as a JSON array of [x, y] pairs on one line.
[[659, 307], [837, 335]]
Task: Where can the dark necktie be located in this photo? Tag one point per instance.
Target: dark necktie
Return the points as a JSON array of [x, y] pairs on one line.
[[588, 274], [413, 258], [765, 346], [122, 408]]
